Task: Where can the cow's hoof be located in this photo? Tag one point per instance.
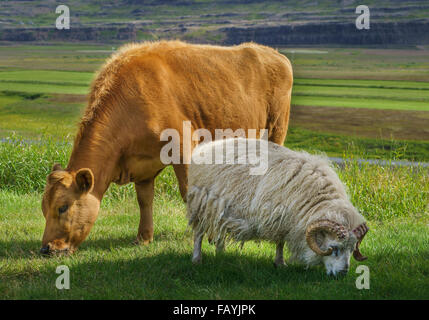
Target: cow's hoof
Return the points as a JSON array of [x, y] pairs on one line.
[[143, 242]]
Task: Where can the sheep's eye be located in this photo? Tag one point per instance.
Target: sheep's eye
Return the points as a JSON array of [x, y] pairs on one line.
[[335, 250], [63, 209]]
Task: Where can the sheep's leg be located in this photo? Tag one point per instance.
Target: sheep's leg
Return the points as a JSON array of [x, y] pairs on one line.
[[198, 239], [220, 247], [279, 261]]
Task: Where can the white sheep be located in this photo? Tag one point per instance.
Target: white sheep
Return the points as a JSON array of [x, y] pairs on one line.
[[299, 200]]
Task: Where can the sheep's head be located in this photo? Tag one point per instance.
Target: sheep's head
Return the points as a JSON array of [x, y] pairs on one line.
[[335, 244]]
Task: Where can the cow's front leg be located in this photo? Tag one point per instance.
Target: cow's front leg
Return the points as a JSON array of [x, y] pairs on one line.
[[145, 193]]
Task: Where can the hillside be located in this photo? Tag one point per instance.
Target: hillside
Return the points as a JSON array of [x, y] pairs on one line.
[[225, 21]]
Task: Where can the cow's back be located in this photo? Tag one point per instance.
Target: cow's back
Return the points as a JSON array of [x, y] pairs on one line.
[[165, 83], [218, 87]]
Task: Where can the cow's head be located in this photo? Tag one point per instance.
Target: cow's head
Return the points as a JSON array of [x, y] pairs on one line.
[[334, 244], [69, 208]]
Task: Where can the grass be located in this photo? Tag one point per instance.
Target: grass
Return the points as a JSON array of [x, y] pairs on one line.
[[108, 265], [370, 96], [48, 76], [45, 81], [355, 102], [339, 145], [34, 117], [41, 98], [364, 64], [379, 84]]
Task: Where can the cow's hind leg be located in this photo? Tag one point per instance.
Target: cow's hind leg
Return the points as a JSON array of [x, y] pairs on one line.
[[198, 239], [181, 171], [145, 193], [280, 126]]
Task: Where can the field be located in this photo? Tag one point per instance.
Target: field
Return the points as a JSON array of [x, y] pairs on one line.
[[378, 108]]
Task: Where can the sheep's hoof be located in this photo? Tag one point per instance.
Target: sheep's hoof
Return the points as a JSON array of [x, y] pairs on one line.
[[280, 264], [220, 251], [196, 260]]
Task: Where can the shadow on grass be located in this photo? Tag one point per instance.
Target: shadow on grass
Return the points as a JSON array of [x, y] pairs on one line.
[[17, 249], [97, 271], [168, 276], [150, 275]]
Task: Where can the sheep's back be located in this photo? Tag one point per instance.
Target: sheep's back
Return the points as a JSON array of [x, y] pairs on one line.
[[293, 185]]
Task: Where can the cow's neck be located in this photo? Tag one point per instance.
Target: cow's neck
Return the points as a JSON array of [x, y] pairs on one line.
[[97, 149]]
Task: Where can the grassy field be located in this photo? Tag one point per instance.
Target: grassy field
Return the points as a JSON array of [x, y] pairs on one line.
[[108, 265], [341, 108], [368, 64], [33, 100]]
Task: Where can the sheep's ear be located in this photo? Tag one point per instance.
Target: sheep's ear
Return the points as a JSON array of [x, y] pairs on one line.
[[85, 180]]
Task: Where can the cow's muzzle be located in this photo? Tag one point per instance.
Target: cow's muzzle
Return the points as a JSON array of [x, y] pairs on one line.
[[45, 249]]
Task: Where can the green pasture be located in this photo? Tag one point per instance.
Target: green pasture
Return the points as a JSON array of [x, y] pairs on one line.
[[34, 103], [48, 116], [42, 96], [109, 266], [357, 102], [350, 92], [377, 84], [34, 116], [405, 64], [370, 94], [45, 81], [340, 145], [395, 95], [48, 76]]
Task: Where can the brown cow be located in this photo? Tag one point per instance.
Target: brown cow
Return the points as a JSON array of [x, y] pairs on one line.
[[142, 90]]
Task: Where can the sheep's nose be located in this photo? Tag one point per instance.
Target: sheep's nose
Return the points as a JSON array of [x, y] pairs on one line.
[[45, 249]]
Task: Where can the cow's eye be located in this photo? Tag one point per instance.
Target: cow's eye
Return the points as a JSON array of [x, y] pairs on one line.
[[63, 209]]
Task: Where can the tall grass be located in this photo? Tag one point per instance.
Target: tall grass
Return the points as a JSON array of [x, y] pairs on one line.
[[340, 145], [379, 192], [24, 166], [383, 193]]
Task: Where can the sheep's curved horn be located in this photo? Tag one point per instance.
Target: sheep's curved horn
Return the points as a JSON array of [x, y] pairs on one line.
[[360, 232], [327, 226]]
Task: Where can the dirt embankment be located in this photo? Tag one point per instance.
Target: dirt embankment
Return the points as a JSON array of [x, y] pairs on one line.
[[279, 34], [387, 33]]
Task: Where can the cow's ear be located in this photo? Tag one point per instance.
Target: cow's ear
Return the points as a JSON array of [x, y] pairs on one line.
[[57, 167], [84, 180]]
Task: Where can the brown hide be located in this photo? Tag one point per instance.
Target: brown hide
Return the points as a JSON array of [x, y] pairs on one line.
[[146, 88]]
